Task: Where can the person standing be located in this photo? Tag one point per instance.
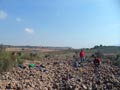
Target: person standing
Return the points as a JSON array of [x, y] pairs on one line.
[[82, 55]]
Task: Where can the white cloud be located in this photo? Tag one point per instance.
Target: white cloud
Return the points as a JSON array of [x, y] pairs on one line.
[[18, 19], [3, 14], [29, 30]]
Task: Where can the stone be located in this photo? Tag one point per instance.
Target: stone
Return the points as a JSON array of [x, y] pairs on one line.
[[84, 86], [45, 88]]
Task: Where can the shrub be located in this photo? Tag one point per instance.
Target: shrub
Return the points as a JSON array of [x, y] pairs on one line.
[[8, 61], [99, 54], [20, 61], [6, 65], [117, 61]]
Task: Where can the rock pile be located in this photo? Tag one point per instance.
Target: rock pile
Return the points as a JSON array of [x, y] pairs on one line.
[[61, 75]]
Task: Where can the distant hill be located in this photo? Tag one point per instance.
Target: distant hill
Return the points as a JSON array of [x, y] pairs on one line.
[[36, 47], [107, 49]]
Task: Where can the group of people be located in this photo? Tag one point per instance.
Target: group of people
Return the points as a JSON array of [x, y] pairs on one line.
[[81, 57]]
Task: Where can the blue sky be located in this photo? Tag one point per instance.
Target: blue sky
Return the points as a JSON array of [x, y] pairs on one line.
[[74, 23]]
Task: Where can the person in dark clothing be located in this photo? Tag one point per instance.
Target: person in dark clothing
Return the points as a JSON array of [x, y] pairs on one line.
[[76, 60]]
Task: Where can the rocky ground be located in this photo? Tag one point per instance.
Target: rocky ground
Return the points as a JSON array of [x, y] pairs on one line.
[[61, 75]]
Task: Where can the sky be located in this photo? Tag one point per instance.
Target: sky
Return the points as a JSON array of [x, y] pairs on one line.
[[72, 23]]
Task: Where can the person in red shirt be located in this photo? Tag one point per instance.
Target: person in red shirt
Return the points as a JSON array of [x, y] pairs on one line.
[[97, 61], [82, 55]]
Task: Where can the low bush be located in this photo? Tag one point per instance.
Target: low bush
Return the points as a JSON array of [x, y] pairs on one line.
[[9, 60]]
